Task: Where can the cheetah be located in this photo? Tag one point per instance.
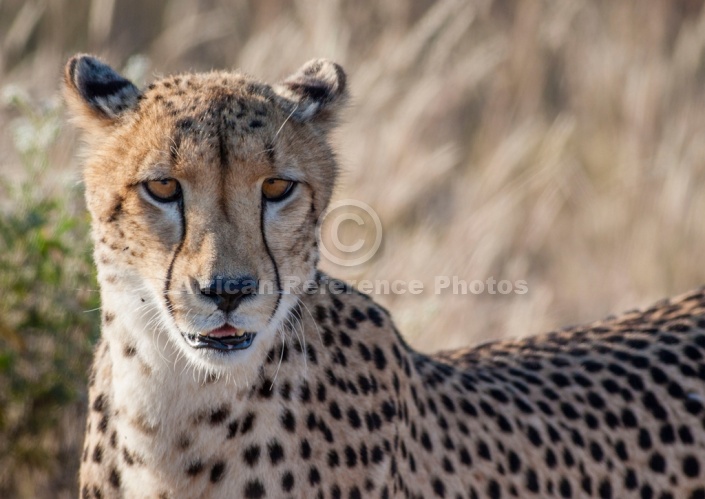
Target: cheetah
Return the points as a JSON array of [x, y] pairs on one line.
[[213, 380]]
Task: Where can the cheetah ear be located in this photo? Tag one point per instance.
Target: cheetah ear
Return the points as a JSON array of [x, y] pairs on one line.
[[95, 93], [315, 93]]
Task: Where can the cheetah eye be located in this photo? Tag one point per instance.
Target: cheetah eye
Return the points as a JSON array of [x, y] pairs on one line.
[[277, 189], [165, 190]]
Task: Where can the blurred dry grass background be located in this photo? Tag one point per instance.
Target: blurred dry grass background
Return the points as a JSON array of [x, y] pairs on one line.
[[558, 142]]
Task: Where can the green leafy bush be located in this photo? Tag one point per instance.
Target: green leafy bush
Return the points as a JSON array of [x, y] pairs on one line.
[[49, 316]]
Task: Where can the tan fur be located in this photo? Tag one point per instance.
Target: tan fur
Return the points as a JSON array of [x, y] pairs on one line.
[[329, 401]]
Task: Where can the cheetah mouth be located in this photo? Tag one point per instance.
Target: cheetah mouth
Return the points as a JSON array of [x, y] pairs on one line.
[[225, 338]]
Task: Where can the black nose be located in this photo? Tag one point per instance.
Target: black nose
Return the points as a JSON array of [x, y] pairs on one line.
[[228, 292]]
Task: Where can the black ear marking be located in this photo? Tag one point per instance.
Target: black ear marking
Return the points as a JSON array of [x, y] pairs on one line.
[[100, 86], [316, 91]]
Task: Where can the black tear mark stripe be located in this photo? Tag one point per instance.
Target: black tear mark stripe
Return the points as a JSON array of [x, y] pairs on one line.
[[271, 257], [169, 272]]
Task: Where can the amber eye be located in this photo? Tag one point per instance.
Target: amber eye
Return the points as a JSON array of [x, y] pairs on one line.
[[164, 190], [276, 189]]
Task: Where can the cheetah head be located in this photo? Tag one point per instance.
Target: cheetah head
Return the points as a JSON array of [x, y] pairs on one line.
[[205, 190]]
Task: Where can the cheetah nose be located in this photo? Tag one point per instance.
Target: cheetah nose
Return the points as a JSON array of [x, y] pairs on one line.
[[228, 292]]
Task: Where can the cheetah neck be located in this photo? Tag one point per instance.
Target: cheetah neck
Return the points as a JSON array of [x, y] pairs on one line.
[[343, 371]]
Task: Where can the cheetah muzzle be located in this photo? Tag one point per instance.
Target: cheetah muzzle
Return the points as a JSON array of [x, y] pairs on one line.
[[215, 378]]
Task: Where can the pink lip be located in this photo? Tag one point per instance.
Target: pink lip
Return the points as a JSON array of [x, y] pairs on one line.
[[223, 331]]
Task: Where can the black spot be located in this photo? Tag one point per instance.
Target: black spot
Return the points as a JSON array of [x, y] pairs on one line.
[[219, 415], [194, 468], [288, 421], [114, 478], [494, 491], [377, 454], [515, 462], [468, 408], [373, 421], [568, 458], [217, 471], [267, 389], [685, 435], [483, 450], [248, 423], [345, 339], [698, 493], [426, 441], [532, 481], [691, 466], [534, 436], [321, 392], [98, 454], [287, 482], [364, 352], [276, 452], [605, 490], [305, 449], [375, 316], [667, 357], [333, 459], [438, 488], [314, 476], [254, 489], [304, 392], [334, 409], [644, 439], [103, 424], [327, 337], [388, 410], [232, 428], [251, 455], [596, 451], [628, 418], [657, 463], [560, 380], [621, 450], [499, 396], [569, 411], [100, 403], [354, 418], [592, 366], [630, 480], [350, 456], [667, 434], [653, 405], [311, 354]]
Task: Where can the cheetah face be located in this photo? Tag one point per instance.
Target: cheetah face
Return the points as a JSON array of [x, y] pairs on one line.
[[205, 190]]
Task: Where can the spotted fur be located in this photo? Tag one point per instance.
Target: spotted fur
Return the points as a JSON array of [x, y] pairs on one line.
[[329, 401]]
